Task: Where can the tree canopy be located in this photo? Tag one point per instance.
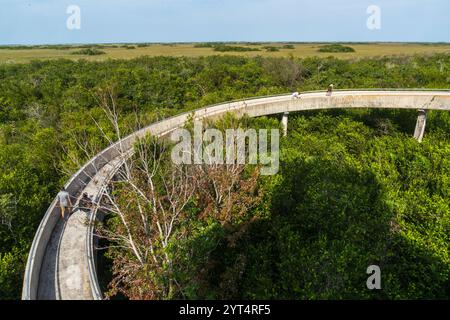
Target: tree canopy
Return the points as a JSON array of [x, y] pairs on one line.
[[362, 193]]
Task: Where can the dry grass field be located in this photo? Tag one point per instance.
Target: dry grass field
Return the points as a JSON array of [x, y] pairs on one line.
[[189, 50]]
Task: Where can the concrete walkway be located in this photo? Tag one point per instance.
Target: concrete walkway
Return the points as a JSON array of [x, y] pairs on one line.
[[61, 262], [65, 273]]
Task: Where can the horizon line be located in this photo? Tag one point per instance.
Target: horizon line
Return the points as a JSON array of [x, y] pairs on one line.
[[220, 41]]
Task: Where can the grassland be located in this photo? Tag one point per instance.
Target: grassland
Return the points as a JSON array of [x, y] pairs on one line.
[[362, 50]]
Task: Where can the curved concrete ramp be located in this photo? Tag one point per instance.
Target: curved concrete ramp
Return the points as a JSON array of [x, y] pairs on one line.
[[64, 272], [66, 277], [61, 263]]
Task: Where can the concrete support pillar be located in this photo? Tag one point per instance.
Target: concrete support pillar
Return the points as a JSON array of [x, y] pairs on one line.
[[284, 121], [421, 124]]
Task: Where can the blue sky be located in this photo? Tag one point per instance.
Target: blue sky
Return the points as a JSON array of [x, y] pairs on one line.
[[104, 21]]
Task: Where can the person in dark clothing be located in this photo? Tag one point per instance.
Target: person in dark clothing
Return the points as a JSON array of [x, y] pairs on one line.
[[330, 90], [86, 202]]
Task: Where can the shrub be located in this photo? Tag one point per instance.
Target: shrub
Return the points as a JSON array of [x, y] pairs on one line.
[[272, 49], [89, 52], [335, 48], [225, 48]]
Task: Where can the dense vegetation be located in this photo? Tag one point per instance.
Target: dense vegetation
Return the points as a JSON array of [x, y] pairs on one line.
[[227, 48], [354, 190], [271, 48], [373, 182], [89, 52], [335, 48]]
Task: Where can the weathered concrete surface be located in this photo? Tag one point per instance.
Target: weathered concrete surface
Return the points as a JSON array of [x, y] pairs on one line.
[[420, 125], [72, 273], [284, 122], [65, 272], [47, 289], [55, 265]]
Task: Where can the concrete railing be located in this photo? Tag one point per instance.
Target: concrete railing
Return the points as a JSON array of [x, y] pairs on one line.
[[76, 184], [409, 99], [51, 217], [90, 250]]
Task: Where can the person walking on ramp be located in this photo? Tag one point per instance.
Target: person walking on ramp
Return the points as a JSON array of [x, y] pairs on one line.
[[64, 201]]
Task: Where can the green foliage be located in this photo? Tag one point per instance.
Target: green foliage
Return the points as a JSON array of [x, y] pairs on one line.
[[207, 44], [345, 198], [271, 49], [335, 48], [12, 267], [48, 107], [143, 45], [92, 51], [228, 48]]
